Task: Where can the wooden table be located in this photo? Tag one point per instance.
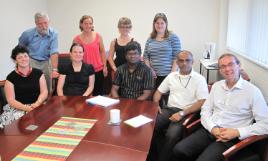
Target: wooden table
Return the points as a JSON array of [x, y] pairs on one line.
[[103, 142]]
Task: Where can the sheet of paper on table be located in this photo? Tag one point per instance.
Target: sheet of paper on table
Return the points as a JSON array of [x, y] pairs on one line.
[[138, 121], [102, 101]]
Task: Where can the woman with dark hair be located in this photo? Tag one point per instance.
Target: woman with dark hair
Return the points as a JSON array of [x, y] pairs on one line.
[[25, 87], [94, 51], [77, 78], [161, 49]]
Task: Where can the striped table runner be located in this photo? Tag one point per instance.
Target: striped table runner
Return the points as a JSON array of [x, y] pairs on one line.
[[57, 143]]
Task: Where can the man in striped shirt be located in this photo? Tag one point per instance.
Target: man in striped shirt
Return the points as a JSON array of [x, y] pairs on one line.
[[133, 79]]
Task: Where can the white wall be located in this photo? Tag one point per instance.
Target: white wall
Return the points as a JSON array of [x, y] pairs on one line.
[[16, 16], [257, 74], [195, 22]]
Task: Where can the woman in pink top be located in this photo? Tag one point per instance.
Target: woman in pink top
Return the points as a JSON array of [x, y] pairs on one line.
[[94, 51]]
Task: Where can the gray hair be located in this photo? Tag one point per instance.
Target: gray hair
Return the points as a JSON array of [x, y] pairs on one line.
[[39, 15]]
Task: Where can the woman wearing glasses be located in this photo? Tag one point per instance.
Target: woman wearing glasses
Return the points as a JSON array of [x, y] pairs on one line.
[[161, 49], [118, 45]]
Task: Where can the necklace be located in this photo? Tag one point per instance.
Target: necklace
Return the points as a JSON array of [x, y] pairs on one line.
[[185, 86], [22, 74]]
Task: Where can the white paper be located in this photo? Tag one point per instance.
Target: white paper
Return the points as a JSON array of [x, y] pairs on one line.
[[138, 121], [102, 101]]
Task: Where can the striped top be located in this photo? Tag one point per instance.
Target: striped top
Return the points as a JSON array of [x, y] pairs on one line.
[[162, 53], [133, 84]]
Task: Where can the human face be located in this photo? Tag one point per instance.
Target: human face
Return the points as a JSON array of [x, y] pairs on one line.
[[124, 29], [42, 25], [229, 68], [185, 63], [133, 56], [77, 54], [87, 25], [22, 60], [160, 26]]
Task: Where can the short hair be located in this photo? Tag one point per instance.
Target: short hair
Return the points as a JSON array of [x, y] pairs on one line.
[[18, 50], [39, 15], [231, 55], [185, 51], [83, 18], [133, 45], [76, 44], [164, 18], [124, 21]]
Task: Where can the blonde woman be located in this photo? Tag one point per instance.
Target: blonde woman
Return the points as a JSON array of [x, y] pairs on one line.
[[118, 45]]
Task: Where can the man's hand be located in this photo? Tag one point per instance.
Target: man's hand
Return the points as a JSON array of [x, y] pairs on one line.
[[175, 117], [54, 74], [227, 134], [216, 132]]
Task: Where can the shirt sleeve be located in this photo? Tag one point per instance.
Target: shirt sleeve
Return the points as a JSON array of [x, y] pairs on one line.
[[54, 44], [146, 51], [118, 77], [148, 82], [202, 89], [164, 86], [207, 111], [260, 114], [23, 39], [176, 45]]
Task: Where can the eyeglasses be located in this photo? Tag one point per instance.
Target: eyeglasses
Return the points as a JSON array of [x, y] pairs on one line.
[[185, 60], [231, 65], [124, 27]]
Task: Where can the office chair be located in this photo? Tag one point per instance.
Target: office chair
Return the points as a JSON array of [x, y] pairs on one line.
[[63, 60]]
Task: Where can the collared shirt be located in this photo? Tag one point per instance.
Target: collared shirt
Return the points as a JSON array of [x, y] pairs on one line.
[[236, 108], [40, 47], [132, 84], [184, 90]]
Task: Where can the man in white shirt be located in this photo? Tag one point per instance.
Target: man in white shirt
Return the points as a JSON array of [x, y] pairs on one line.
[[187, 93], [227, 116]]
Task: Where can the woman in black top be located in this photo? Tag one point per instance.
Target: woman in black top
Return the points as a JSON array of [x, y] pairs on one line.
[[118, 45], [77, 78], [25, 87]]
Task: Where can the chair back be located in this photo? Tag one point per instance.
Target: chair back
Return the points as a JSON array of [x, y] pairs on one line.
[[3, 100], [63, 60]]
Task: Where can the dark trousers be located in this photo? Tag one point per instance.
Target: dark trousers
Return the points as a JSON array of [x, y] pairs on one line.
[[201, 145], [98, 85], [165, 136]]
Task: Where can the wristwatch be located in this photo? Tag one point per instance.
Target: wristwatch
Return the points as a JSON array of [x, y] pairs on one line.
[[181, 113]]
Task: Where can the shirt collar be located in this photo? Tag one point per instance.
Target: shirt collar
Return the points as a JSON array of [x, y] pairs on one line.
[[185, 76], [36, 33], [238, 85]]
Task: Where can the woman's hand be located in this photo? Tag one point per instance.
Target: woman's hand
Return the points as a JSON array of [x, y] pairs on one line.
[[105, 71]]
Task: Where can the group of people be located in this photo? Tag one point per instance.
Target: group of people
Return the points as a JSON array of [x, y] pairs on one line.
[[234, 110], [225, 120], [88, 66]]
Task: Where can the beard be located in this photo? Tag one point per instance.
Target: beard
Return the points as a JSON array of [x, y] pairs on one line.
[[43, 31]]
